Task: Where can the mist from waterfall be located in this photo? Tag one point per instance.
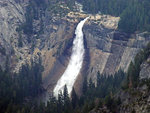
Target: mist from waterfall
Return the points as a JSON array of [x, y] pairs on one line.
[[75, 64]]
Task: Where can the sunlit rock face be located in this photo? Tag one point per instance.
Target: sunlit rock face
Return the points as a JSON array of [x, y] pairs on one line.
[[145, 70], [11, 15], [110, 49]]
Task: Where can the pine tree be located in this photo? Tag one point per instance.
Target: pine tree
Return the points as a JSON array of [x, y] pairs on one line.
[[98, 79], [65, 94], [131, 74], [67, 104], [74, 100], [84, 88], [60, 102], [91, 84]]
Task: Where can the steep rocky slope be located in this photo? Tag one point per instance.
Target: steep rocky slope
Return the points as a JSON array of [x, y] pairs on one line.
[[137, 99], [111, 50], [11, 15], [133, 97], [107, 49]]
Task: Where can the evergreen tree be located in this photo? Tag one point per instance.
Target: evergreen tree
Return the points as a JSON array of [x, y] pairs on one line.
[[98, 79], [85, 85], [91, 84], [74, 97], [60, 102], [67, 104], [131, 75]]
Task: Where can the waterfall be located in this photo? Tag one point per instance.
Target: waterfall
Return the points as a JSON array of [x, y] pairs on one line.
[[75, 64]]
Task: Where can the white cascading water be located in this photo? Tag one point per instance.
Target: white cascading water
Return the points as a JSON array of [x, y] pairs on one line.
[[75, 64]]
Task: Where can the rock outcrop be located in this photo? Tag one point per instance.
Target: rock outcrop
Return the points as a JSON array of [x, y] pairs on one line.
[[110, 49], [11, 15], [145, 70]]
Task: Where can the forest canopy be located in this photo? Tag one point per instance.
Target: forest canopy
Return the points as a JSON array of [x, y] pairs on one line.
[[135, 14]]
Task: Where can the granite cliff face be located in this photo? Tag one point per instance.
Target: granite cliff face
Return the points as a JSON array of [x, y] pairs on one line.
[[11, 15], [107, 49], [145, 70], [137, 99], [111, 50]]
